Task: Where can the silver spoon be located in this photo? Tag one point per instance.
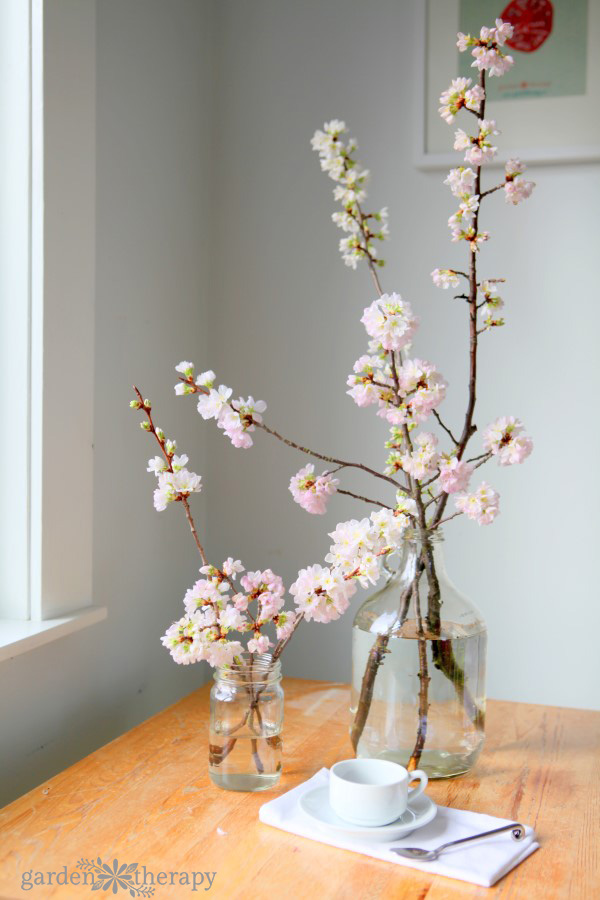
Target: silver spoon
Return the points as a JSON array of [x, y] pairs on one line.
[[518, 833]]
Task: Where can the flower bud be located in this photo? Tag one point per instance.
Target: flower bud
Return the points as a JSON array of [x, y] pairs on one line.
[[135, 404], [145, 426]]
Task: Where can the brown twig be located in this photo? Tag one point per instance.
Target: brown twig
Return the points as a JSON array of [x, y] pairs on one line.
[[181, 497], [330, 459], [366, 499], [445, 427], [424, 680], [447, 519]]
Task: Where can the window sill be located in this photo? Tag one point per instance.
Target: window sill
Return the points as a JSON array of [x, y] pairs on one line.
[[19, 637]]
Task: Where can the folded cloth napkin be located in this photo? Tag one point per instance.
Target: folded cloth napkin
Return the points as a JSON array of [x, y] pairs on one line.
[[483, 862]]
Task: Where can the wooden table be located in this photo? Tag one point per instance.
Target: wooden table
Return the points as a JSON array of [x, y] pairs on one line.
[[146, 798]]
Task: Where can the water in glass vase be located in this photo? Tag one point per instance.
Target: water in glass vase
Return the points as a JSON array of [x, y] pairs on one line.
[[418, 668], [245, 763], [453, 740], [246, 722]]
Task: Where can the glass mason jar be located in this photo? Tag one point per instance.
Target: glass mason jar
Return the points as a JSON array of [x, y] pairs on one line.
[[418, 667], [246, 720]]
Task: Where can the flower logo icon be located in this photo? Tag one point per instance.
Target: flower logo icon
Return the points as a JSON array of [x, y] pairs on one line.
[[111, 878]]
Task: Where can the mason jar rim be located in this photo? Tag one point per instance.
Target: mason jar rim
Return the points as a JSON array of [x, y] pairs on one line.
[[254, 668]]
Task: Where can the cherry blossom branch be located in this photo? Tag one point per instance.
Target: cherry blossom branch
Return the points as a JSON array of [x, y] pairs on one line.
[[491, 190], [424, 679], [469, 427], [448, 518], [371, 262], [168, 459], [366, 499], [341, 463], [284, 642], [445, 427], [476, 458], [186, 506], [330, 459], [483, 459]]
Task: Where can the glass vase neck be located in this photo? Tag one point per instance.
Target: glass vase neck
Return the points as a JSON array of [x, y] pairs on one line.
[[412, 547], [250, 668]]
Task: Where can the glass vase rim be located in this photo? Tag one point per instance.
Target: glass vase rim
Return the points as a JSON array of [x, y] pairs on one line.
[[413, 536], [256, 668]]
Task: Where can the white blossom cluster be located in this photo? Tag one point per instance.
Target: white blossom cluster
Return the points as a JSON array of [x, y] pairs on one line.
[[420, 389], [236, 418], [516, 188], [491, 306], [479, 148], [362, 229], [215, 607], [486, 49]]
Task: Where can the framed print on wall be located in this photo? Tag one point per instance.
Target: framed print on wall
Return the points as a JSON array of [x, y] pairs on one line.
[[551, 95]]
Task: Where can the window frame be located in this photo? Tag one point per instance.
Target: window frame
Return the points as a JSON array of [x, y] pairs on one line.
[[47, 539]]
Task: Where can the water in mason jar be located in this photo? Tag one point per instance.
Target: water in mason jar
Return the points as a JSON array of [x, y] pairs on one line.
[[453, 741], [245, 762]]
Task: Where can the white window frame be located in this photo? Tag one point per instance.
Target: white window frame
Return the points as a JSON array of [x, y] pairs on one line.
[[47, 330]]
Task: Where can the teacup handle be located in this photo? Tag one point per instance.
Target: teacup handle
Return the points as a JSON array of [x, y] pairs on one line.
[[421, 776]]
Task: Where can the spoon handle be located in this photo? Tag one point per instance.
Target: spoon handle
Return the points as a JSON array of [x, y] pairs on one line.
[[518, 833]]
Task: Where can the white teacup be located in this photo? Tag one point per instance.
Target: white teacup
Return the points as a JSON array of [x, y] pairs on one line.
[[372, 791]]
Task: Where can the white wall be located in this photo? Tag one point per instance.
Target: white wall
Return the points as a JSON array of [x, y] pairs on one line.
[[154, 103], [288, 312]]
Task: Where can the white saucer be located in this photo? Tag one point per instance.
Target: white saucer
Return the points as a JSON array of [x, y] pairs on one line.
[[420, 812]]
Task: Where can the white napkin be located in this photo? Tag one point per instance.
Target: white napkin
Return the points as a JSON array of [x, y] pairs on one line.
[[483, 862]]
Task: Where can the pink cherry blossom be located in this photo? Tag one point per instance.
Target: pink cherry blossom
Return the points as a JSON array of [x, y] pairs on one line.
[[422, 386], [504, 438], [454, 474], [390, 320], [203, 593], [210, 405], [232, 567], [486, 48], [362, 390], [322, 594], [175, 485], [478, 149], [240, 601], [260, 643], [445, 278], [422, 462], [517, 190], [285, 624], [312, 493], [460, 94], [184, 642], [461, 180], [481, 506], [231, 617], [222, 652]]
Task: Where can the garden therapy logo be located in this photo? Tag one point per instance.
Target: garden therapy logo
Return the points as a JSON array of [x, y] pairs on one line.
[[113, 877], [107, 878]]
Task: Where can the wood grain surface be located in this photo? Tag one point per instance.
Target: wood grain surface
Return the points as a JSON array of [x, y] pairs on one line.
[[146, 798]]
